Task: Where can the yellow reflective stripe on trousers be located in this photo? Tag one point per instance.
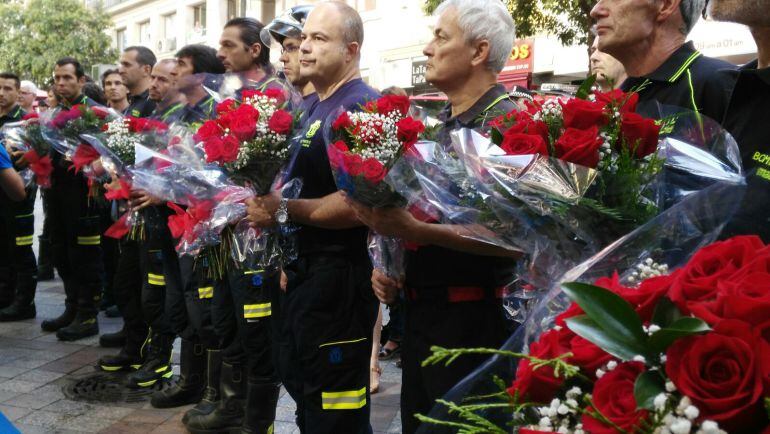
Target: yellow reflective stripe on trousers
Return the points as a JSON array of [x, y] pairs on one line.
[[90, 241], [156, 279], [347, 400], [257, 310], [207, 292], [250, 272], [24, 241]]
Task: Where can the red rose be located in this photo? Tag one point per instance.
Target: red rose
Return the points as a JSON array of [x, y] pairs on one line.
[[505, 121], [579, 146], [582, 114], [762, 335], [573, 310], [695, 288], [250, 93], [587, 356], [390, 103], [626, 102], [408, 131], [648, 294], [226, 106], [230, 148], [213, 147], [525, 124], [354, 164], [30, 115], [275, 93], [540, 385], [639, 134], [341, 146], [612, 283], [100, 112], [208, 130], [243, 122], [523, 144], [745, 296], [281, 122], [534, 431], [613, 397], [374, 171], [720, 373], [342, 122]]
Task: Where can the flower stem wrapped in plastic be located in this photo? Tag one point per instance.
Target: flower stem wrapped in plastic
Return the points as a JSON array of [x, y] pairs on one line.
[[363, 148], [27, 136]]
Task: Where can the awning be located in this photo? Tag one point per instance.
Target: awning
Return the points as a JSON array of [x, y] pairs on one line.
[[511, 79]]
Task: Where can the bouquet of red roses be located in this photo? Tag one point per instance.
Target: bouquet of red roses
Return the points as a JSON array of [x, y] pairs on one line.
[[68, 125], [27, 136], [250, 139], [364, 147]]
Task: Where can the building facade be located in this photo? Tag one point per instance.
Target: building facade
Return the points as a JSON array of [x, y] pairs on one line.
[[396, 31]]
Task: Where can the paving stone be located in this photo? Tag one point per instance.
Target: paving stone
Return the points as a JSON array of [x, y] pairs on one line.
[[19, 386], [63, 366], [35, 401], [11, 371], [87, 423], [29, 362], [40, 376], [5, 395], [45, 419], [111, 412], [13, 413], [123, 427], [285, 428], [285, 414], [150, 416], [32, 429]]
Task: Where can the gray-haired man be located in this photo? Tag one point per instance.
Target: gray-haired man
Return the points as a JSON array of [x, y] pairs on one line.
[[649, 38]]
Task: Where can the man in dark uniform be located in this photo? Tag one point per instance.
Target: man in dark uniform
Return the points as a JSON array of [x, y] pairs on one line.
[[328, 311], [240, 303], [650, 42], [75, 226], [453, 285], [747, 116], [187, 306], [135, 66], [18, 267], [168, 100]]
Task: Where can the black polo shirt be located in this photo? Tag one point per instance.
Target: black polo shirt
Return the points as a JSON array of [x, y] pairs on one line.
[[140, 106], [437, 267], [311, 164], [686, 79], [168, 114], [81, 99], [747, 119], [14, 115], [195, 115]]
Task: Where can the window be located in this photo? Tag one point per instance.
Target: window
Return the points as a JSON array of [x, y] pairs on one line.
[[169, 28], [144, 33], [199, 20], [120, 40]]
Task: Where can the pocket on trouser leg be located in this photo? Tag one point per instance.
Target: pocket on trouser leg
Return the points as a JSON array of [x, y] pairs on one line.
[[89, 232], [343, 368], [155, 276], [256, 306], [25, 230]]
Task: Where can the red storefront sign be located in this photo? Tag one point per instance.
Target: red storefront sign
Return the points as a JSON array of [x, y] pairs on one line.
[[518, 69]]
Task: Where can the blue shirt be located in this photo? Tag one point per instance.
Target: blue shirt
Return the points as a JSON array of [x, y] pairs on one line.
[[311, 164], [5, 160]]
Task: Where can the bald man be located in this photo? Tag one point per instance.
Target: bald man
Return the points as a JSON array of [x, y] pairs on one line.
[[328, 311]]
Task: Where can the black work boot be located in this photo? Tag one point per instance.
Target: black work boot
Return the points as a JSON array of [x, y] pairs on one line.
[[228, 416], [261, 400], [123, 361], [81, 327], [211, 395], [17, 311], [113, 340], [189, 387], [63, 320], [157, 363]]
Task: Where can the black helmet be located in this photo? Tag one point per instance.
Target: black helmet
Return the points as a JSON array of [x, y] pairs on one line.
[[287, 25]]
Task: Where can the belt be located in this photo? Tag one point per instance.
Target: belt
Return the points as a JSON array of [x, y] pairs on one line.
[[456, 294]]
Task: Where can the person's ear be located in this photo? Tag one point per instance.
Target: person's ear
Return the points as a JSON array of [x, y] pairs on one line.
[[480, 53]]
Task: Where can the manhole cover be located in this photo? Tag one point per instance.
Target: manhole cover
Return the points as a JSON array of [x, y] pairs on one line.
[[104, 387]]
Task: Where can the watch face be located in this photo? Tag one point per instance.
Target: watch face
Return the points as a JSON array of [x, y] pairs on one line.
[[282, 217]]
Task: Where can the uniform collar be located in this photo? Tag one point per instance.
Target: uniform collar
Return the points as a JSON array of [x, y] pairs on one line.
[[751, 68], [81, 99], [493, 96], [15, 113], [674, 67], [140, 97]]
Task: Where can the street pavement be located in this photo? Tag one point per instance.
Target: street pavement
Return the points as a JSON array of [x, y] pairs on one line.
[[36, 369]]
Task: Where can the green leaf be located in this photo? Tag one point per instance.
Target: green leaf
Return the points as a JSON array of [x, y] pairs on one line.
[[591, 331], [585, 88], [496, 136], [683, 327], [647, 386], [615, 315], [665, 313]]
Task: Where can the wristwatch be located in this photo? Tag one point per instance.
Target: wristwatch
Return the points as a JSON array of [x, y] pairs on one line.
[[282, 213]]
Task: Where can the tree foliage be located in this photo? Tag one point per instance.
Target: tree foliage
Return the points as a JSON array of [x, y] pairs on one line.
[[39, 32], [569, 20]]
